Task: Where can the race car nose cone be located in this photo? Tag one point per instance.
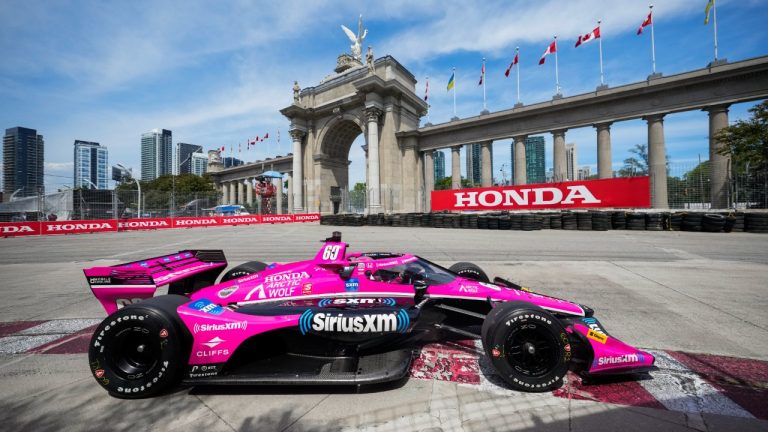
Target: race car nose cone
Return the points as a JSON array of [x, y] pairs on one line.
[[530, 348], [140, 348]]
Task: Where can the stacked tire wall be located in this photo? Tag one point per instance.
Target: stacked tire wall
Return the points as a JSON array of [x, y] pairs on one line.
[[567, 220]]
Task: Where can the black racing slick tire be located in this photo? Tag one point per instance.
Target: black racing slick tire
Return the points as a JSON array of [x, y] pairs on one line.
[[142, 349], [527, 346], [469, 271], [243, 270]]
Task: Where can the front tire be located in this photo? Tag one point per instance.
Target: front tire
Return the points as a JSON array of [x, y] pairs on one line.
[[527, 346], [243, 270], [469, 271], [140, 350]]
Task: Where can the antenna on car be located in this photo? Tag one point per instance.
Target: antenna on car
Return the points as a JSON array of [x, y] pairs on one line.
[[335, 237]]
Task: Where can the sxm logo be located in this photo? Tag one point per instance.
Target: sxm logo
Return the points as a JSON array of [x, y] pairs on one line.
[[394, 322], [207, 306]]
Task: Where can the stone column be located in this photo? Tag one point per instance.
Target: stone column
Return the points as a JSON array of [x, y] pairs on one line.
[[225, 193], [718, 164], [372, 116], [278, 182], [232, 193], [249, 191], [298, 163], [455, 167], [240, 192], [429, 178], [486, 177], [290, 193], [657, 161], [559, 168], [604, 162], [520, 174]]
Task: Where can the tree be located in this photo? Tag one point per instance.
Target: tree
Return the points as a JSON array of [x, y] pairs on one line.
[[747, 140], [359, 187], [446, 183], [636, 165]]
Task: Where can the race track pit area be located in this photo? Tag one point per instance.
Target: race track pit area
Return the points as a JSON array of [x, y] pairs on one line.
[[697, 301]]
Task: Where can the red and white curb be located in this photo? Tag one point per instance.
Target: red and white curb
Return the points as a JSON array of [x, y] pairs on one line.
[[684, 382]]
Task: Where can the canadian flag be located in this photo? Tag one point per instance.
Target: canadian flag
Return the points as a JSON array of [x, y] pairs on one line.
[[552, 48], [222, 148], [266, 135], [514, 62], [594, 34], [648, 21]]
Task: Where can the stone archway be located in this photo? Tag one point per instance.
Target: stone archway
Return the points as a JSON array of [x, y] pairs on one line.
[[327, 118]]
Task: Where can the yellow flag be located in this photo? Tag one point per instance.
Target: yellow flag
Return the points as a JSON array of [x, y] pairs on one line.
[[710, 4]]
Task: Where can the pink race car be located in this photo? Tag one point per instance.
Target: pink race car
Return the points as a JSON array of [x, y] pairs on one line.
[[341, 318]]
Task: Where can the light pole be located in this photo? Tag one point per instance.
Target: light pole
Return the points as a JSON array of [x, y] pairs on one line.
[[126, 173], [13, 195], [173, 184]]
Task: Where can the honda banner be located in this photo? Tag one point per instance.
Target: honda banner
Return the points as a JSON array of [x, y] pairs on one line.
[[312, 217], [622, 192], [144, 224], [79, 227], [14, 229]]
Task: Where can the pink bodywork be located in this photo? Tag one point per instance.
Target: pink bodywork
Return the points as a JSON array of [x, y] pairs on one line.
[[218, 329]]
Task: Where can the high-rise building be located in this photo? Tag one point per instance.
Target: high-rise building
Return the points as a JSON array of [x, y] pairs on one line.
[[584, 172], [182, 160], [156, 154], [23, 155], [474, 164], [230, 162], [571, 163], [438, 158], [198, 164], [534, 160], [91, 160]]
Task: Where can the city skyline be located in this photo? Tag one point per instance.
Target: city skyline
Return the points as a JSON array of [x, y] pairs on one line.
[[130, 74]]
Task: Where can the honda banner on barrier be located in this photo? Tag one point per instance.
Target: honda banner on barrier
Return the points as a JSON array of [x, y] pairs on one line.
[[16, 229], [625, 192]]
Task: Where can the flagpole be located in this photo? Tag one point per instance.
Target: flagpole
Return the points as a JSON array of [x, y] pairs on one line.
[[557, 77], [714, 16], [454, 92], [600, 39], [653, 44], [484, 106], [426, 95], [517, 50]]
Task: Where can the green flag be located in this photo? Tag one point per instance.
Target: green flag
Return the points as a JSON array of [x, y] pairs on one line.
[[710, 4]]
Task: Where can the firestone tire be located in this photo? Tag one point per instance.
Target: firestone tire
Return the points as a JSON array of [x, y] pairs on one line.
[[469, 271], [243, 270], [527, 346], [140, 350]]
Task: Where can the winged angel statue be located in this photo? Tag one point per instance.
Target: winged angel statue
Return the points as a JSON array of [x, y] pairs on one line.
[[357, 40]]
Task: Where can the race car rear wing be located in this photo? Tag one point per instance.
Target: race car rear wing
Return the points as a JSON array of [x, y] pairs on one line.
[[184, 272]]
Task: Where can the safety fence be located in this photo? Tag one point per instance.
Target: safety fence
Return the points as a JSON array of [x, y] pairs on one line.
[[16, 229]]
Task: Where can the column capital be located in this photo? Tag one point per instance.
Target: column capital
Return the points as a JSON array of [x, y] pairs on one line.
[[520, 138], [559, 132], [654, 117], [297, 134], [372, 114], [603, 126], [457, 148], [717, 109]]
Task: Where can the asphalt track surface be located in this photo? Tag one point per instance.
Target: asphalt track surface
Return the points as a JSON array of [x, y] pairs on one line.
[[699, 301]]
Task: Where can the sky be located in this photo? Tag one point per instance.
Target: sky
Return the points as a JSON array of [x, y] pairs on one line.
[[217, 73]]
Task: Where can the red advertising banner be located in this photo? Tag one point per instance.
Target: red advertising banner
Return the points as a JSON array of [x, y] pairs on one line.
[[311, 217], [277, 218], [144, 224], [16, 229], [192, 222], [618, 192], [78, 227], [240, 220]]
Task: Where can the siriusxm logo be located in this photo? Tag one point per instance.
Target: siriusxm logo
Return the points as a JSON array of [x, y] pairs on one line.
[[237, 325], [207, 306], [356, 301], [365, 323], [353, 284], [621, 359]]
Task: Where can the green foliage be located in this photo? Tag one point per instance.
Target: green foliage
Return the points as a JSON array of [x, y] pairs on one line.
[[359, 187], [747, 141], [636, 165], [446, 183]]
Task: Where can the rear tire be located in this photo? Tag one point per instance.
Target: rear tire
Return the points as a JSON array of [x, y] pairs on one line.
[[527, 346], [243, 270], [469, 271], [140, 350]]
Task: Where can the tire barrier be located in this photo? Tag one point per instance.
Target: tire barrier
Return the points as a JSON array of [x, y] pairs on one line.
[[594, 220]]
